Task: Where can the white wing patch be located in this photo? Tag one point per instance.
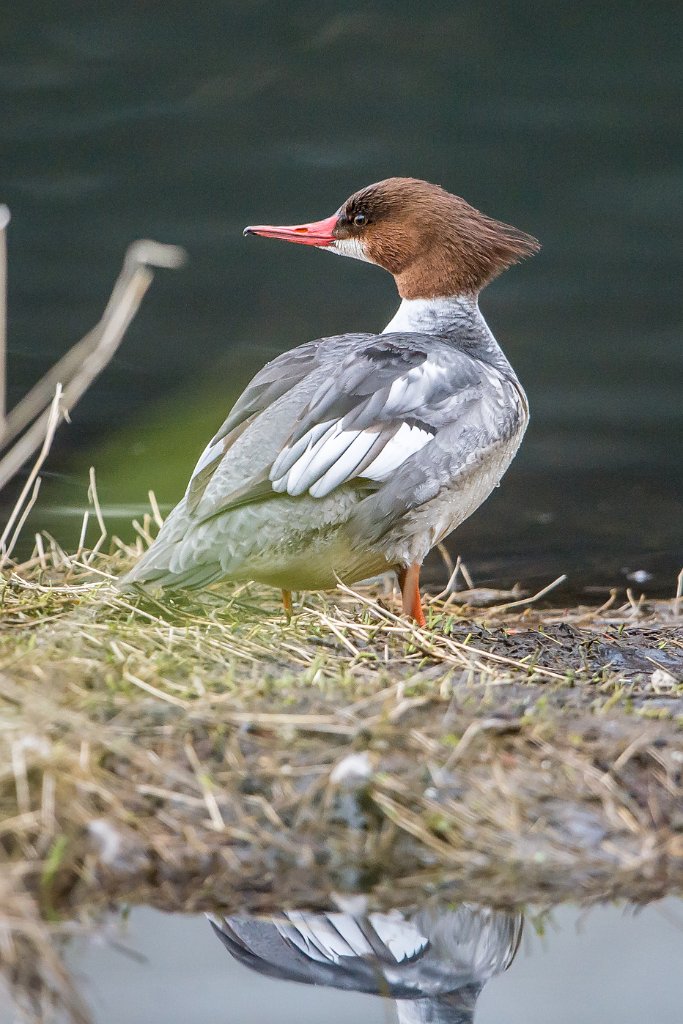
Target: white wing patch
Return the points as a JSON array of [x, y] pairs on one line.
[[402, 938], [329, 937], [325, 937], [405, 442], [328, 456]]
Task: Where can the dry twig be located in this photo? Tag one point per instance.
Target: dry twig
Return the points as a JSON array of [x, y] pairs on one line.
[[76, 371]]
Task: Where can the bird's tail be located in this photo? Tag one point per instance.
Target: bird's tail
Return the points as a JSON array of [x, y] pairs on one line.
[[161, 566]]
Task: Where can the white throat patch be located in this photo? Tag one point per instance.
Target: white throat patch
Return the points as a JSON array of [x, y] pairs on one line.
[[349, 247]]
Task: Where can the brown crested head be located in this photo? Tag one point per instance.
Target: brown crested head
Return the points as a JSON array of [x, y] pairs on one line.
[[434, 243]]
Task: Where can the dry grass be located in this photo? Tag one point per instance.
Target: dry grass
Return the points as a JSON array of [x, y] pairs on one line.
[[31, 425], [201, 753]]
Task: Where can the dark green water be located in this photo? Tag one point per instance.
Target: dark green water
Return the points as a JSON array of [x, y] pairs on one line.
[[185, 122]]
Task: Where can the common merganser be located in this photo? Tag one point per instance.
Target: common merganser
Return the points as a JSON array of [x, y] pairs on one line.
[[355, 454], [433, 962]]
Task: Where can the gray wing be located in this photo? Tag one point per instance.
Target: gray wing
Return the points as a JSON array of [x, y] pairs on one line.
[[373, 407], [370, 416], [437, 951], [273, 381], [335, 950]]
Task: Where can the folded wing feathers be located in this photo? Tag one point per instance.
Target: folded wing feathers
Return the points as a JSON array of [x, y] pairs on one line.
[[341, 455], [359, 424], [302, 448], [316, 460], [400, 447], [370, 440], [331, 937], [212, 452], [347, 464], [326, 937]]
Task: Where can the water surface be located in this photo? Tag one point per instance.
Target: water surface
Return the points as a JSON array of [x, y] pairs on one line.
[[593, 967]]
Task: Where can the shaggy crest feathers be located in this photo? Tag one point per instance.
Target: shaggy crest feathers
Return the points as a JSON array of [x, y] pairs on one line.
[[434, 243]]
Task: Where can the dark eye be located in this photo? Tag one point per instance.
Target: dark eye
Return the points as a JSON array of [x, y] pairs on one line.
[[360, 219]]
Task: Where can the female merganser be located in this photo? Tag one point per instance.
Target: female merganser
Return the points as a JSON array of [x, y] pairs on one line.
[[433, 962], [352, 455]]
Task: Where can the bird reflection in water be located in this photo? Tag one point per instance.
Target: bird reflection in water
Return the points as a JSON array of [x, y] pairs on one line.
[[433, 962]]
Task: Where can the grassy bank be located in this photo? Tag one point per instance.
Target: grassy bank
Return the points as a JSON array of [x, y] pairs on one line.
[[203, 753]]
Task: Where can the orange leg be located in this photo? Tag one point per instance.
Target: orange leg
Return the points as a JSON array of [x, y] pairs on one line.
[[409, 582], [287, 603]]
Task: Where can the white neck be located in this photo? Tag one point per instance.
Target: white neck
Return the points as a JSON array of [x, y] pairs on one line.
[[456, 319], [434, 316]]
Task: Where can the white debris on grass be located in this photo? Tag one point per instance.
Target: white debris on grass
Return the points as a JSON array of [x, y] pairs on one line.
[[351, 770]]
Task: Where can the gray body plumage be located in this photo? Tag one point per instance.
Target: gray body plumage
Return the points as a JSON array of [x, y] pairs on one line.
[[433, 962], [348, 456]]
